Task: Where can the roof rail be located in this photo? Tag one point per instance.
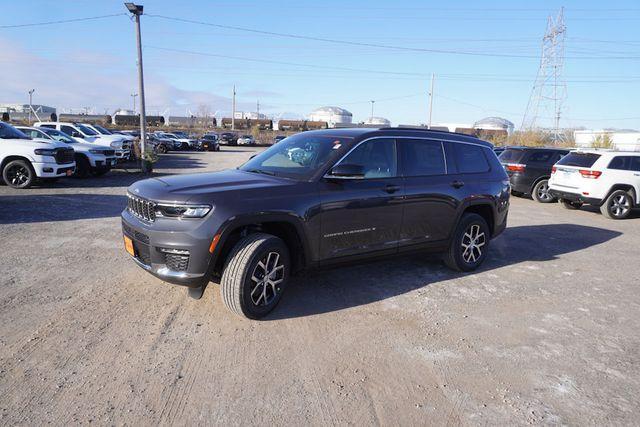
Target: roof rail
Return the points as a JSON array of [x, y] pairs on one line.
[[424, 129]]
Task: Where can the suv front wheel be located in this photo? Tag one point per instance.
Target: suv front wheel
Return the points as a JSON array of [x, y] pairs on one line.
[[255, 275], [469, 245], [618, 205]]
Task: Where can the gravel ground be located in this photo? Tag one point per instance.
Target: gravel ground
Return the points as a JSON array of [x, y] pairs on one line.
[[547, 332]]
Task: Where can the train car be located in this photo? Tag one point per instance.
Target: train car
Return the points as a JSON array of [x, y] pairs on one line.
[[16, 117], [94, 119], [131, 120], [200, 122], [262, 124], [238, 123], [293, 125], [314, 125]]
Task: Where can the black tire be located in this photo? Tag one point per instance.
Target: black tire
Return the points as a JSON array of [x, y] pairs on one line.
[[243, 275], [572, 206], [99, 172], [618, 205], [162, 149], [515, 193], [540, 192], [18, 174], [83, 167], [457, 257]]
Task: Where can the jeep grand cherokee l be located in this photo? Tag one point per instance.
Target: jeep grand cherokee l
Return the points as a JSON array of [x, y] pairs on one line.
[[318, 198]]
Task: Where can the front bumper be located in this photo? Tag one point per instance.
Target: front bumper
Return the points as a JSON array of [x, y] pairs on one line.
[[575, 197], [189, 267], [53, 170]]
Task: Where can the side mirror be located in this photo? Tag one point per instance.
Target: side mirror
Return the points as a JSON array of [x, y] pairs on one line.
[[346, 171]]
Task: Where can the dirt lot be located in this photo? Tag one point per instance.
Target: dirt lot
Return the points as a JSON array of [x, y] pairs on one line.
[[547, 332]]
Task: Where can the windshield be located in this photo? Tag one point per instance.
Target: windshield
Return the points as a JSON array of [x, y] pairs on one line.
[[298, 157], [213, 137], [582, 160], [9, 132], [59, 135], [511, 156], [103, 130], [86, 130]]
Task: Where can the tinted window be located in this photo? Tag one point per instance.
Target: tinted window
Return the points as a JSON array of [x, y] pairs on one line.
[[540, 156], [9, 132], [421, 157], [471, 159], [86, 130], [635, 163], [48, 126], [377, 157], [581, 160], [68, 130], [620, 163], [511, 156]]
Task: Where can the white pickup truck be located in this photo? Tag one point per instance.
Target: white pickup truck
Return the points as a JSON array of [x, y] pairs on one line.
[[119, 143], [23, 160], [89, 158]]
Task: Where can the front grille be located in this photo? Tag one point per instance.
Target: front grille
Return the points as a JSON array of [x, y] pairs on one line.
[[64, 155], [141, 208], [176, 262], [109, 153]]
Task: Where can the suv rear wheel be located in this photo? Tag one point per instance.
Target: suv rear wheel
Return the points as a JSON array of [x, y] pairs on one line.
[[255, 275], [469, 245], [618, 205], [18, 174], [572, 206], [541, 193]]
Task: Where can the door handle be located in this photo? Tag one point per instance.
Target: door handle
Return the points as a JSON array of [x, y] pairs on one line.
[[391, 188], [457, 184]]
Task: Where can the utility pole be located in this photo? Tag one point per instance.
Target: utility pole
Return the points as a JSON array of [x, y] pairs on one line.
[[133, 95], [258, 110], [433, 77], [136, 10], [371, 118], [30, 104], [233, 109]]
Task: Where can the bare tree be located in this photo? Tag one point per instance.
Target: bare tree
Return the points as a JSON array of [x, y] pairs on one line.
[[204, 111]]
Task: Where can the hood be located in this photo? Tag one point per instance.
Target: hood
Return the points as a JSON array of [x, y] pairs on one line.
[[111, 138], [203, 187], [37, 143]]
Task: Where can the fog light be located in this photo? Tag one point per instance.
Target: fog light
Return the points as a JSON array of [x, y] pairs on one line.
[[47, 170], [174, 251]]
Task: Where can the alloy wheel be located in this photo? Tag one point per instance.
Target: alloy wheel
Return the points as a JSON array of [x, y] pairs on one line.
[[266, 277], [18, 175], [543, 192], [473, 241], [620, 205]]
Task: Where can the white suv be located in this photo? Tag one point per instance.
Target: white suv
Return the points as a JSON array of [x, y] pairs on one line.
[[24, 160], [604, 178], [89, 158], [121, 146]]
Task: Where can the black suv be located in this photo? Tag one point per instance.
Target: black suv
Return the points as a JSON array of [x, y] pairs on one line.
[[529, 170], [318, 198], [228, 138]]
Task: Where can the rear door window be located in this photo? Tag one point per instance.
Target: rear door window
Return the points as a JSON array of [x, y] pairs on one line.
[[635, 163], [581, 160], [471, 159], [540, 156], [422, 157]]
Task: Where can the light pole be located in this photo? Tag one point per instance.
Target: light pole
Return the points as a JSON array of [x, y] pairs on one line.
[[133, 95], [433, 76], [371, 118], [136, 10], [30, 104]]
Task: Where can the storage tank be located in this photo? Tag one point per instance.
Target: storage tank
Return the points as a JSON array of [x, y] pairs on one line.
[[494, 124], [378, 121], [331, 115]]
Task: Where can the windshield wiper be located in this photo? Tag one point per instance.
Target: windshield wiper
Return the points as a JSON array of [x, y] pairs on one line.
[[264, 172]]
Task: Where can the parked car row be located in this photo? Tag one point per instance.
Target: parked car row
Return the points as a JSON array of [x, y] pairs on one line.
[[607, 179]]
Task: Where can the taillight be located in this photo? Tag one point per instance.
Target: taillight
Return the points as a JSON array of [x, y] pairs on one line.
[[586, 173], [515, 167], [553, 169]]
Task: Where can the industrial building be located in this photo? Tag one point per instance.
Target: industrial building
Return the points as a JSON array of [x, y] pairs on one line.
[[333, 116], [625, 140], [24, 108]]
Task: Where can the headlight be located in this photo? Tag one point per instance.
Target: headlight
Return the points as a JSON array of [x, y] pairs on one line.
[[182, 211], [93, 151], [45, 152], [116, 144]]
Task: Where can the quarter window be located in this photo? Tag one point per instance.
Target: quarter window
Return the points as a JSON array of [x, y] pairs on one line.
[[635, 163], [471, 159], [620, 163], [422, 157], [377, 158]]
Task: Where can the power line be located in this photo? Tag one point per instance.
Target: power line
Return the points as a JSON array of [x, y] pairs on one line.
[[65, 21]]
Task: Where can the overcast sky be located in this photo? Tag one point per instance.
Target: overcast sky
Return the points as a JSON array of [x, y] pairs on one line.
[[489, 67]]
